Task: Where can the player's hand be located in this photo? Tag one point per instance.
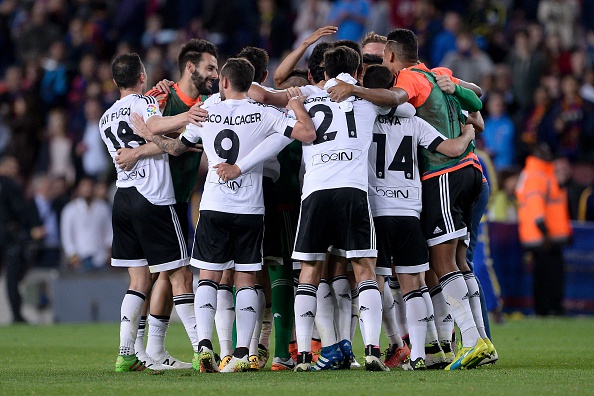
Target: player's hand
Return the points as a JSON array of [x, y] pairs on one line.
[[341, 91], [445, 84], [140, 127], [198, 148], [318, 34], [468, 130], [227, 172], [125, 159], [197, 115], [292, 92], [296, 101], [164, 86]]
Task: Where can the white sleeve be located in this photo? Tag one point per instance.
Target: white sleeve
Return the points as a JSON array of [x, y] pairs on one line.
[[281, 122], [191, 135], [308, 90], [268, 148], [405, 110], [147, 107], [428, 136]]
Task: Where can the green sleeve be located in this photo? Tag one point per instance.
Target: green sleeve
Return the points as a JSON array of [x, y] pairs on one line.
[[468, 99]]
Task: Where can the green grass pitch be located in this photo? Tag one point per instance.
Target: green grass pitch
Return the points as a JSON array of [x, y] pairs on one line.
[[536, 356]]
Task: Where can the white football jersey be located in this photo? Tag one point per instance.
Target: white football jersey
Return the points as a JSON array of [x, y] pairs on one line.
[[151, 176], [394, 180], [271, 165], [233, 129], [338, 156]]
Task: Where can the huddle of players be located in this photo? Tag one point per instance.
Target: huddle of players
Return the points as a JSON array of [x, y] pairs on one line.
[[346, 189]]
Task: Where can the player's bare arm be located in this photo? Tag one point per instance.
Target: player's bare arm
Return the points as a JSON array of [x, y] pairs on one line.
[[288, 64], [456, 147], [162, 125], [378, 96], [171, 146], [127, 157], [274, 98], [476, 120], [304, 130]]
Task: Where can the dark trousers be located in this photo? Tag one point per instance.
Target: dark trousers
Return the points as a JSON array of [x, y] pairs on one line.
[[16, 269], [548, 280]]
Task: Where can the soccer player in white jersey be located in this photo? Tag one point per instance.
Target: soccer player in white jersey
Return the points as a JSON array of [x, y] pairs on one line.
[[334, 206], [146, 235], [395, 200], [229, 231]]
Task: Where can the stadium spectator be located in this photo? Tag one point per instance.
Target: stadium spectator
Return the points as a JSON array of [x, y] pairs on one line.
[[544, 228], [14, 231], [94, 161], [560, 16], [499, 134], [504, 204], [527, 66], [86, 229], [311, 15], [351, 17], [468, 61], [571, 115], [445, 41]]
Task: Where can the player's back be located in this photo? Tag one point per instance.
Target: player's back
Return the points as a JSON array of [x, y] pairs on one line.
[[394, 179], [232, 130], [338, 156], [151, 175]]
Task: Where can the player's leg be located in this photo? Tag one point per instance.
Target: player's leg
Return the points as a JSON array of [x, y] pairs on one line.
[[282, 311], [434, 355], [305, 310], [311, 245], [331, 356], [443, 227], [139, 346], [444, 323], [205, 306], [478, 210], [161, 305], [396, 354], [211, 253], [225, 316], [246, 248], [127, 252], [341, 296]]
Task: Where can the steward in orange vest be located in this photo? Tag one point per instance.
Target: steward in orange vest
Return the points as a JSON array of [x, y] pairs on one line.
[[542, 204]]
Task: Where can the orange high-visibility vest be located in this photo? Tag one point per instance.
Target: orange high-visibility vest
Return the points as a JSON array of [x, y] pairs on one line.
[[541, 198]]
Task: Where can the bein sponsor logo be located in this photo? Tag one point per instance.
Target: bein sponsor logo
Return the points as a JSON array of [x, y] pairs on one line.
[[336, 155], [396, 192]]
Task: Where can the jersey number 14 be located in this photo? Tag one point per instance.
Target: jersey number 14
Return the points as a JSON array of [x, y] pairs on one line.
[[402, 161]]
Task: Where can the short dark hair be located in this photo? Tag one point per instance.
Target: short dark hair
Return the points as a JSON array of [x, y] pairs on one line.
[[240, 73], [403, 43], [315, 64], [341, 59], [378, 76], [371, 59], [297, 78], [258, 58], [354, 46], [373, 37], [126, 69], [192, 52]]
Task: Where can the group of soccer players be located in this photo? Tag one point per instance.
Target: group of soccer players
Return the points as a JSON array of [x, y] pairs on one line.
[[334, 175]]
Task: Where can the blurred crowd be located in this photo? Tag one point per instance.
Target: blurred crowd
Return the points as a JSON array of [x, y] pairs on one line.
[[533, 59]]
